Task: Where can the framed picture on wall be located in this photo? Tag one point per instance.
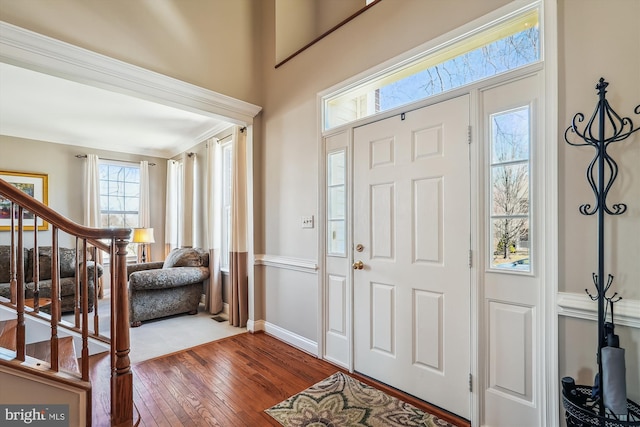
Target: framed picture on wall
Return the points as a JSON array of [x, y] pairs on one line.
[[34, 184]]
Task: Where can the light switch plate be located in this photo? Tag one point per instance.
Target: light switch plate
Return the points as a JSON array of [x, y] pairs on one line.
[[307, 221]]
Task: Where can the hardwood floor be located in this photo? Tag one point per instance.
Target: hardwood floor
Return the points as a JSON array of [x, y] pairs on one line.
[[226, 383]]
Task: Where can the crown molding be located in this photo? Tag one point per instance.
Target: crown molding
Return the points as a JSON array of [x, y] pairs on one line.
[[24, 48]]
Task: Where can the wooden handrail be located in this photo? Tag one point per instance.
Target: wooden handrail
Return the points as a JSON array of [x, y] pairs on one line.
[[122, 407], [43, 211]]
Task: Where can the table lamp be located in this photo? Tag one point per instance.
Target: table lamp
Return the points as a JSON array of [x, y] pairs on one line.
[[143, 236]]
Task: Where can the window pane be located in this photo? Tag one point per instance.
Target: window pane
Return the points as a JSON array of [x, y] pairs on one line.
[[510, 194], [132, 204], [510, 243], [114, 172], [336, 233], [131, 189], [336, 203], [132, 175], [130, 221], [336, 168], [510, 136]]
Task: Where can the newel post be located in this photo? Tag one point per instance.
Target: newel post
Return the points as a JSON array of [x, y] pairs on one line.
[[121, 377]]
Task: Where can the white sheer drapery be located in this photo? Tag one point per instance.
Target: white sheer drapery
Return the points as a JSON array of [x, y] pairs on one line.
[[144, 215], [188, 220], [92, 191], [213, 224], [92, 202], [173, 221]]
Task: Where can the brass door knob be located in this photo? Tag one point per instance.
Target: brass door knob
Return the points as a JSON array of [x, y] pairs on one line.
[[358, 265]]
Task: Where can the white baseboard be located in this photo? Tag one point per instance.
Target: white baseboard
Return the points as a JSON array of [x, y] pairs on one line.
[[286, 336]]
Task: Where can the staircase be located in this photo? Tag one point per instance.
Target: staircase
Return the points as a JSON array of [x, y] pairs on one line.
[[54, 360]]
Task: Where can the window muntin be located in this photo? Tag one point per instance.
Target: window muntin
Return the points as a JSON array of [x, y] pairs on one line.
[[510, 145], [336, 203], [495, 49]]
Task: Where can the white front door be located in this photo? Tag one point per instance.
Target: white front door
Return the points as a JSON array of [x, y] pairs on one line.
[[411, 196]]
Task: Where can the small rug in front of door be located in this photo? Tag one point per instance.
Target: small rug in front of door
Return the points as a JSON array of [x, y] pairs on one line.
[[341, 400]]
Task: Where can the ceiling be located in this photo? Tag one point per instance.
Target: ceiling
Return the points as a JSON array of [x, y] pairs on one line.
[[39, 106]]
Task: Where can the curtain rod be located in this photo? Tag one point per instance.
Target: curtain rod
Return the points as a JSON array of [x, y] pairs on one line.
[[84, 156], [219, 140]]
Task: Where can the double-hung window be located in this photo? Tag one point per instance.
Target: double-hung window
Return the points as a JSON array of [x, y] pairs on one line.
[[119, 196]]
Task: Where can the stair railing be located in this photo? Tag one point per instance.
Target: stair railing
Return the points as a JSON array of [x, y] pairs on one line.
[[26, 213]]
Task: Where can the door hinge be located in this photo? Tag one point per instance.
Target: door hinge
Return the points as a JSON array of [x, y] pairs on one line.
[[470, 258], [470, 383], [469, 134]]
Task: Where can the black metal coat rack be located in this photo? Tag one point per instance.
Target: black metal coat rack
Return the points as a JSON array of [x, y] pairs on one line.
[[603, 128]]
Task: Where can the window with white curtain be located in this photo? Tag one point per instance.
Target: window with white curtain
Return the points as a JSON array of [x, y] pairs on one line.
[[226, 205]]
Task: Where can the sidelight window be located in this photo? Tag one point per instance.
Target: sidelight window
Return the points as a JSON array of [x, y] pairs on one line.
[[510, 133]]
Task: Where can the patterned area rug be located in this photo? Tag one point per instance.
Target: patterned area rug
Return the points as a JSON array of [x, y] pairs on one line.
[[344, 401]]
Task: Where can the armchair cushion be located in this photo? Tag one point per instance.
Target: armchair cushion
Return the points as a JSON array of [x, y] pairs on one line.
[[187, 257], [167, 278]]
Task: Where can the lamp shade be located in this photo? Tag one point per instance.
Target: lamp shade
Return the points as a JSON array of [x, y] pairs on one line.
[[142, 235]]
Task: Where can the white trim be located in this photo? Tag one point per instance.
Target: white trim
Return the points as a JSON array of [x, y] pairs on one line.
[[297, 264], [40, 53], [550, 390], [580, 306], [291, 338]]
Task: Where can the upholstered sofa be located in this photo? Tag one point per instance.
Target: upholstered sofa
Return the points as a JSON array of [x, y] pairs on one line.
[[67, 263], [174, 286]]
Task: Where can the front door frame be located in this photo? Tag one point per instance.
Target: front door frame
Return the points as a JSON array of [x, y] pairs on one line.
[[548, 392]]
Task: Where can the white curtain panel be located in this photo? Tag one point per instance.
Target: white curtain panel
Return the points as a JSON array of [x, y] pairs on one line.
[[144, 217], [239, 295], [144, 220], [213, 224], [173, 212], [92, 203], [186, 237], [92, 191]]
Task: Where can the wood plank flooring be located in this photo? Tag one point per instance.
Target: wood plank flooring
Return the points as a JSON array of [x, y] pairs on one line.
[[225, 383]]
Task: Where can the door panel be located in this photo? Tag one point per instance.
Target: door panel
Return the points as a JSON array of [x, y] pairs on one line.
[[510, 335], [411, 196]]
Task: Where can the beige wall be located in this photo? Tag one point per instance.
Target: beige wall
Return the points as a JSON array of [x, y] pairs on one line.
[[65, 174], [593, 44], [206, 43], [289, 163]]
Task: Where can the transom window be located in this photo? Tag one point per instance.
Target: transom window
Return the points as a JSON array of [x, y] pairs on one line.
[[498, 48]]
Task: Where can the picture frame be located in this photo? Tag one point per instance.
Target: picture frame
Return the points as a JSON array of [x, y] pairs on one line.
[[35, 185]]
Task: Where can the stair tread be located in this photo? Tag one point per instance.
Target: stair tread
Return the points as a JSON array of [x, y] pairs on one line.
[[66, 353], [8, 334]]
